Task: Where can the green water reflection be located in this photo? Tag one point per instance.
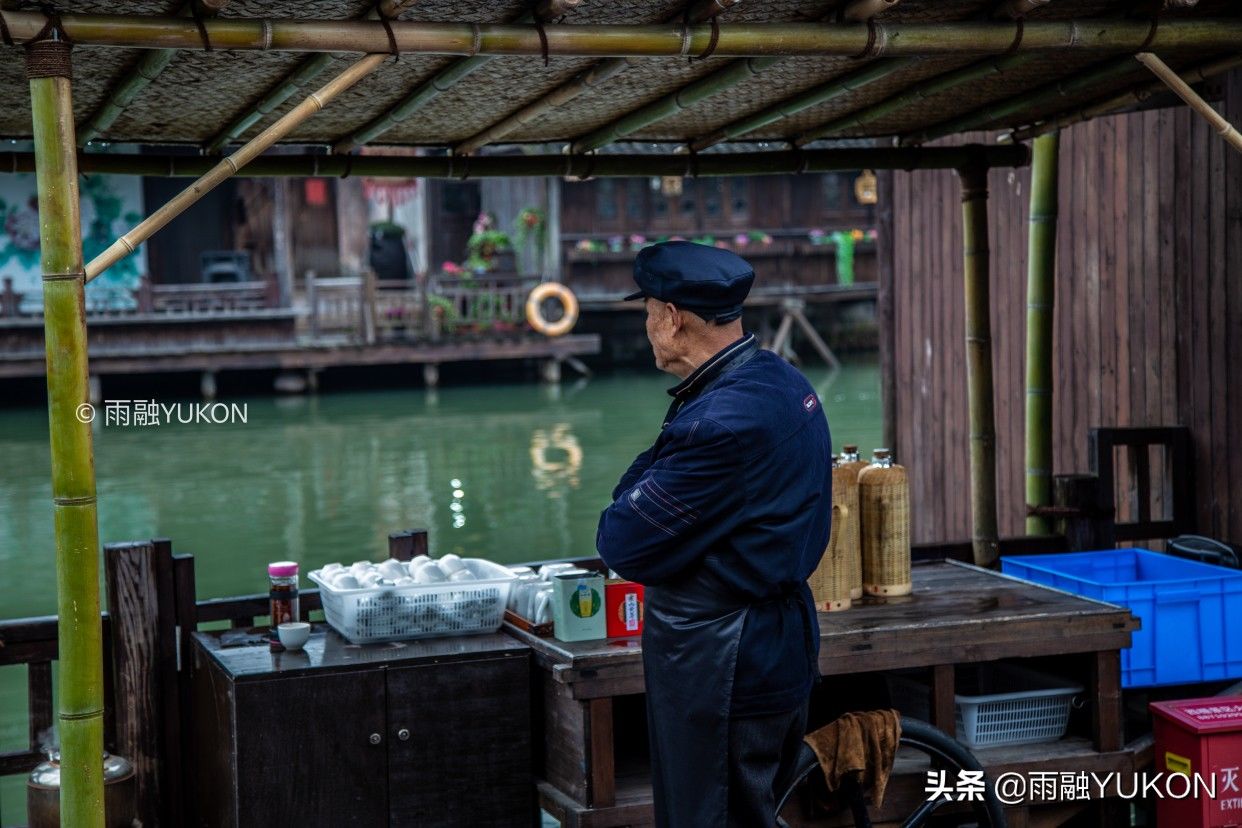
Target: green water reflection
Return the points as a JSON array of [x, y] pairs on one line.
[[512, 473]]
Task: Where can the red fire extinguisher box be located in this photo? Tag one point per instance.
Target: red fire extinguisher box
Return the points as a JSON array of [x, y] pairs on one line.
[[1201, 738]]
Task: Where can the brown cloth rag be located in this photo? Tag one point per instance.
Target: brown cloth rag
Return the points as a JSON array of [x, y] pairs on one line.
[[859, 742]]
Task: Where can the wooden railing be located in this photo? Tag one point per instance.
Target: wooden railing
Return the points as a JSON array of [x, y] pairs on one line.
[[480, 302], [178, 300], [363, 309]]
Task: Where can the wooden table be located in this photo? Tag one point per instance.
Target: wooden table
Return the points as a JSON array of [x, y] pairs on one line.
[[958, 614], [429, 732]]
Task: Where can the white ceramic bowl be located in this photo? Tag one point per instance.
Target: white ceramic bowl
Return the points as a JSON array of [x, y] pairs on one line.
[[294, 634]]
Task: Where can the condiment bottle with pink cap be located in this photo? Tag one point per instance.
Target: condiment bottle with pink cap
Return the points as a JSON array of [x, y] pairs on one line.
[[284, 598]]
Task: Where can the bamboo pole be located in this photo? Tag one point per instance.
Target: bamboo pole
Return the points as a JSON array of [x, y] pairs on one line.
[[225, 169], [1042, 97], [1040, 304], [289, 85], [1182, 89], [912, 95], [80, 633], [643, 40], [581, 83], [1118, 102], [785, 162], [837, 87], [985, 538], [148, 68]]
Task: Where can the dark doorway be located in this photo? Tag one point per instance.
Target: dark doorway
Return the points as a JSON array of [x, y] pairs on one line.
[[173, 253], [453, 206]]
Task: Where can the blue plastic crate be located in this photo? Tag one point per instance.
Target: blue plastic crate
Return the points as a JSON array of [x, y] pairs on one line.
[[1191, 612]]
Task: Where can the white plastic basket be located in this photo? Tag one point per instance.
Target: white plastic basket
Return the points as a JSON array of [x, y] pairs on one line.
[[1022, 706], [397, 613]]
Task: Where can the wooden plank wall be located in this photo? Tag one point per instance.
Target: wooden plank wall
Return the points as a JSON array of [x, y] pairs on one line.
[[1148, 325]]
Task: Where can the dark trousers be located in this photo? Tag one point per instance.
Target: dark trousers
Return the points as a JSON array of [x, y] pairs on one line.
[[761, 750]]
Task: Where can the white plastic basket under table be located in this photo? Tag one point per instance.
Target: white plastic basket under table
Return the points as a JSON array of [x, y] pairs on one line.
[[397, 613], [996, 704]]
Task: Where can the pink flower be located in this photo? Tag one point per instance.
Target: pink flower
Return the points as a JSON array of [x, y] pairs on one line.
[[724, 245], [741, 240]]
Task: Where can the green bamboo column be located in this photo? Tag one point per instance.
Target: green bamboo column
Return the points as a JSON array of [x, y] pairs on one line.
[[984, 534], [73, 464], [1040, 296]]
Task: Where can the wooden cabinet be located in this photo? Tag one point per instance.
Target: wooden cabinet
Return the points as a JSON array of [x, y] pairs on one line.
[[423, 733]]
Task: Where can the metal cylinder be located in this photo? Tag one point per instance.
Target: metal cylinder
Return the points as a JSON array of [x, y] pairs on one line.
[[120, 793]]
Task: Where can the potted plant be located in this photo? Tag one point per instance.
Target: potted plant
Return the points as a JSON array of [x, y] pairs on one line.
[[486, 244]]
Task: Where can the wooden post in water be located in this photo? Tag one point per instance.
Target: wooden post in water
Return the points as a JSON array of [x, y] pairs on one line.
[[1040, 299], [984, 534], [81, 696]]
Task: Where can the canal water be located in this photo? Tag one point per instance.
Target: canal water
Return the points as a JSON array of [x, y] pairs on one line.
[[508, 472]]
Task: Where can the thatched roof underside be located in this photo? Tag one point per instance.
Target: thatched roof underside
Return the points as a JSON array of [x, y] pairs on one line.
[[200, 93]]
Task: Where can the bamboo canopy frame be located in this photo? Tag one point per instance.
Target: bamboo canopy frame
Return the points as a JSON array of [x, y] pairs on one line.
[[737, 40], [288, 86], [1045, 95], [1182, 89], [1008, 47], [1040, 299], [1115, 103], [600, 73], [223, 170], [779, 162]]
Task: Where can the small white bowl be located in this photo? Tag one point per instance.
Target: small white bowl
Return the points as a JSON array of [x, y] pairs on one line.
[[294, 634]]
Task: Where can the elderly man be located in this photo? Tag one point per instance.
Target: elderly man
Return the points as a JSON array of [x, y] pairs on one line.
[[723, 520]]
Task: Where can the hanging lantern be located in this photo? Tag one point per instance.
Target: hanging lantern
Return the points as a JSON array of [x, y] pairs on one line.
[[865, 188], [670, 185]]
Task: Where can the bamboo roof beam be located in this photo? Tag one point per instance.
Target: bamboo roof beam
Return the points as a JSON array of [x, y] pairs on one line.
[[288, 86], [1013, 106], [225, 169], [921, 91], [782, 162], [1182, 89], [440, 82], [899, 39], [1116, 103], [148, 68], [833, 89], [601, 72]]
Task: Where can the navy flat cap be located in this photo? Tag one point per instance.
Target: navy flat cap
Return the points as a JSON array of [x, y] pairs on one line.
[[709, 281]]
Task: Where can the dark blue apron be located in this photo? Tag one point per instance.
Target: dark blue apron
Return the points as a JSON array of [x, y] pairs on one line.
[[691, 633]]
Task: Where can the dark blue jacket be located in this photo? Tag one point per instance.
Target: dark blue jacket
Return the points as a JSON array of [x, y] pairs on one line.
[[739, 484]]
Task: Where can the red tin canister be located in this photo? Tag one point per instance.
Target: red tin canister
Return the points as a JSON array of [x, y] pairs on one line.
[[623, 607]]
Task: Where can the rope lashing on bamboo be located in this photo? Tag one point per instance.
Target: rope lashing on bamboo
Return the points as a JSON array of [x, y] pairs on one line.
[[711, 44], [387, 24], [49, 59], [876, 41], [196, 13], [1182, 89]]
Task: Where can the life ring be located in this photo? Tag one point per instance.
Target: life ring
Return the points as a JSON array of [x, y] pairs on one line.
[[534, 311]]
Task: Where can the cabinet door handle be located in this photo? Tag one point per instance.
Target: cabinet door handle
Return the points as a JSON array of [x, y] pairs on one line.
[[404, 734], [376, 738]]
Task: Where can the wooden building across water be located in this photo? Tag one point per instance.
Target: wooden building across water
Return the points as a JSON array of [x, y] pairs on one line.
[[486, 88]]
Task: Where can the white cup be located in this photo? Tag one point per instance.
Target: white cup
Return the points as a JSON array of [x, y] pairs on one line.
[[542, 613], [293, 634]]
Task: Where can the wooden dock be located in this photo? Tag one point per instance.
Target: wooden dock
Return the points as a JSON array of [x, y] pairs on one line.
[[311, 356]]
